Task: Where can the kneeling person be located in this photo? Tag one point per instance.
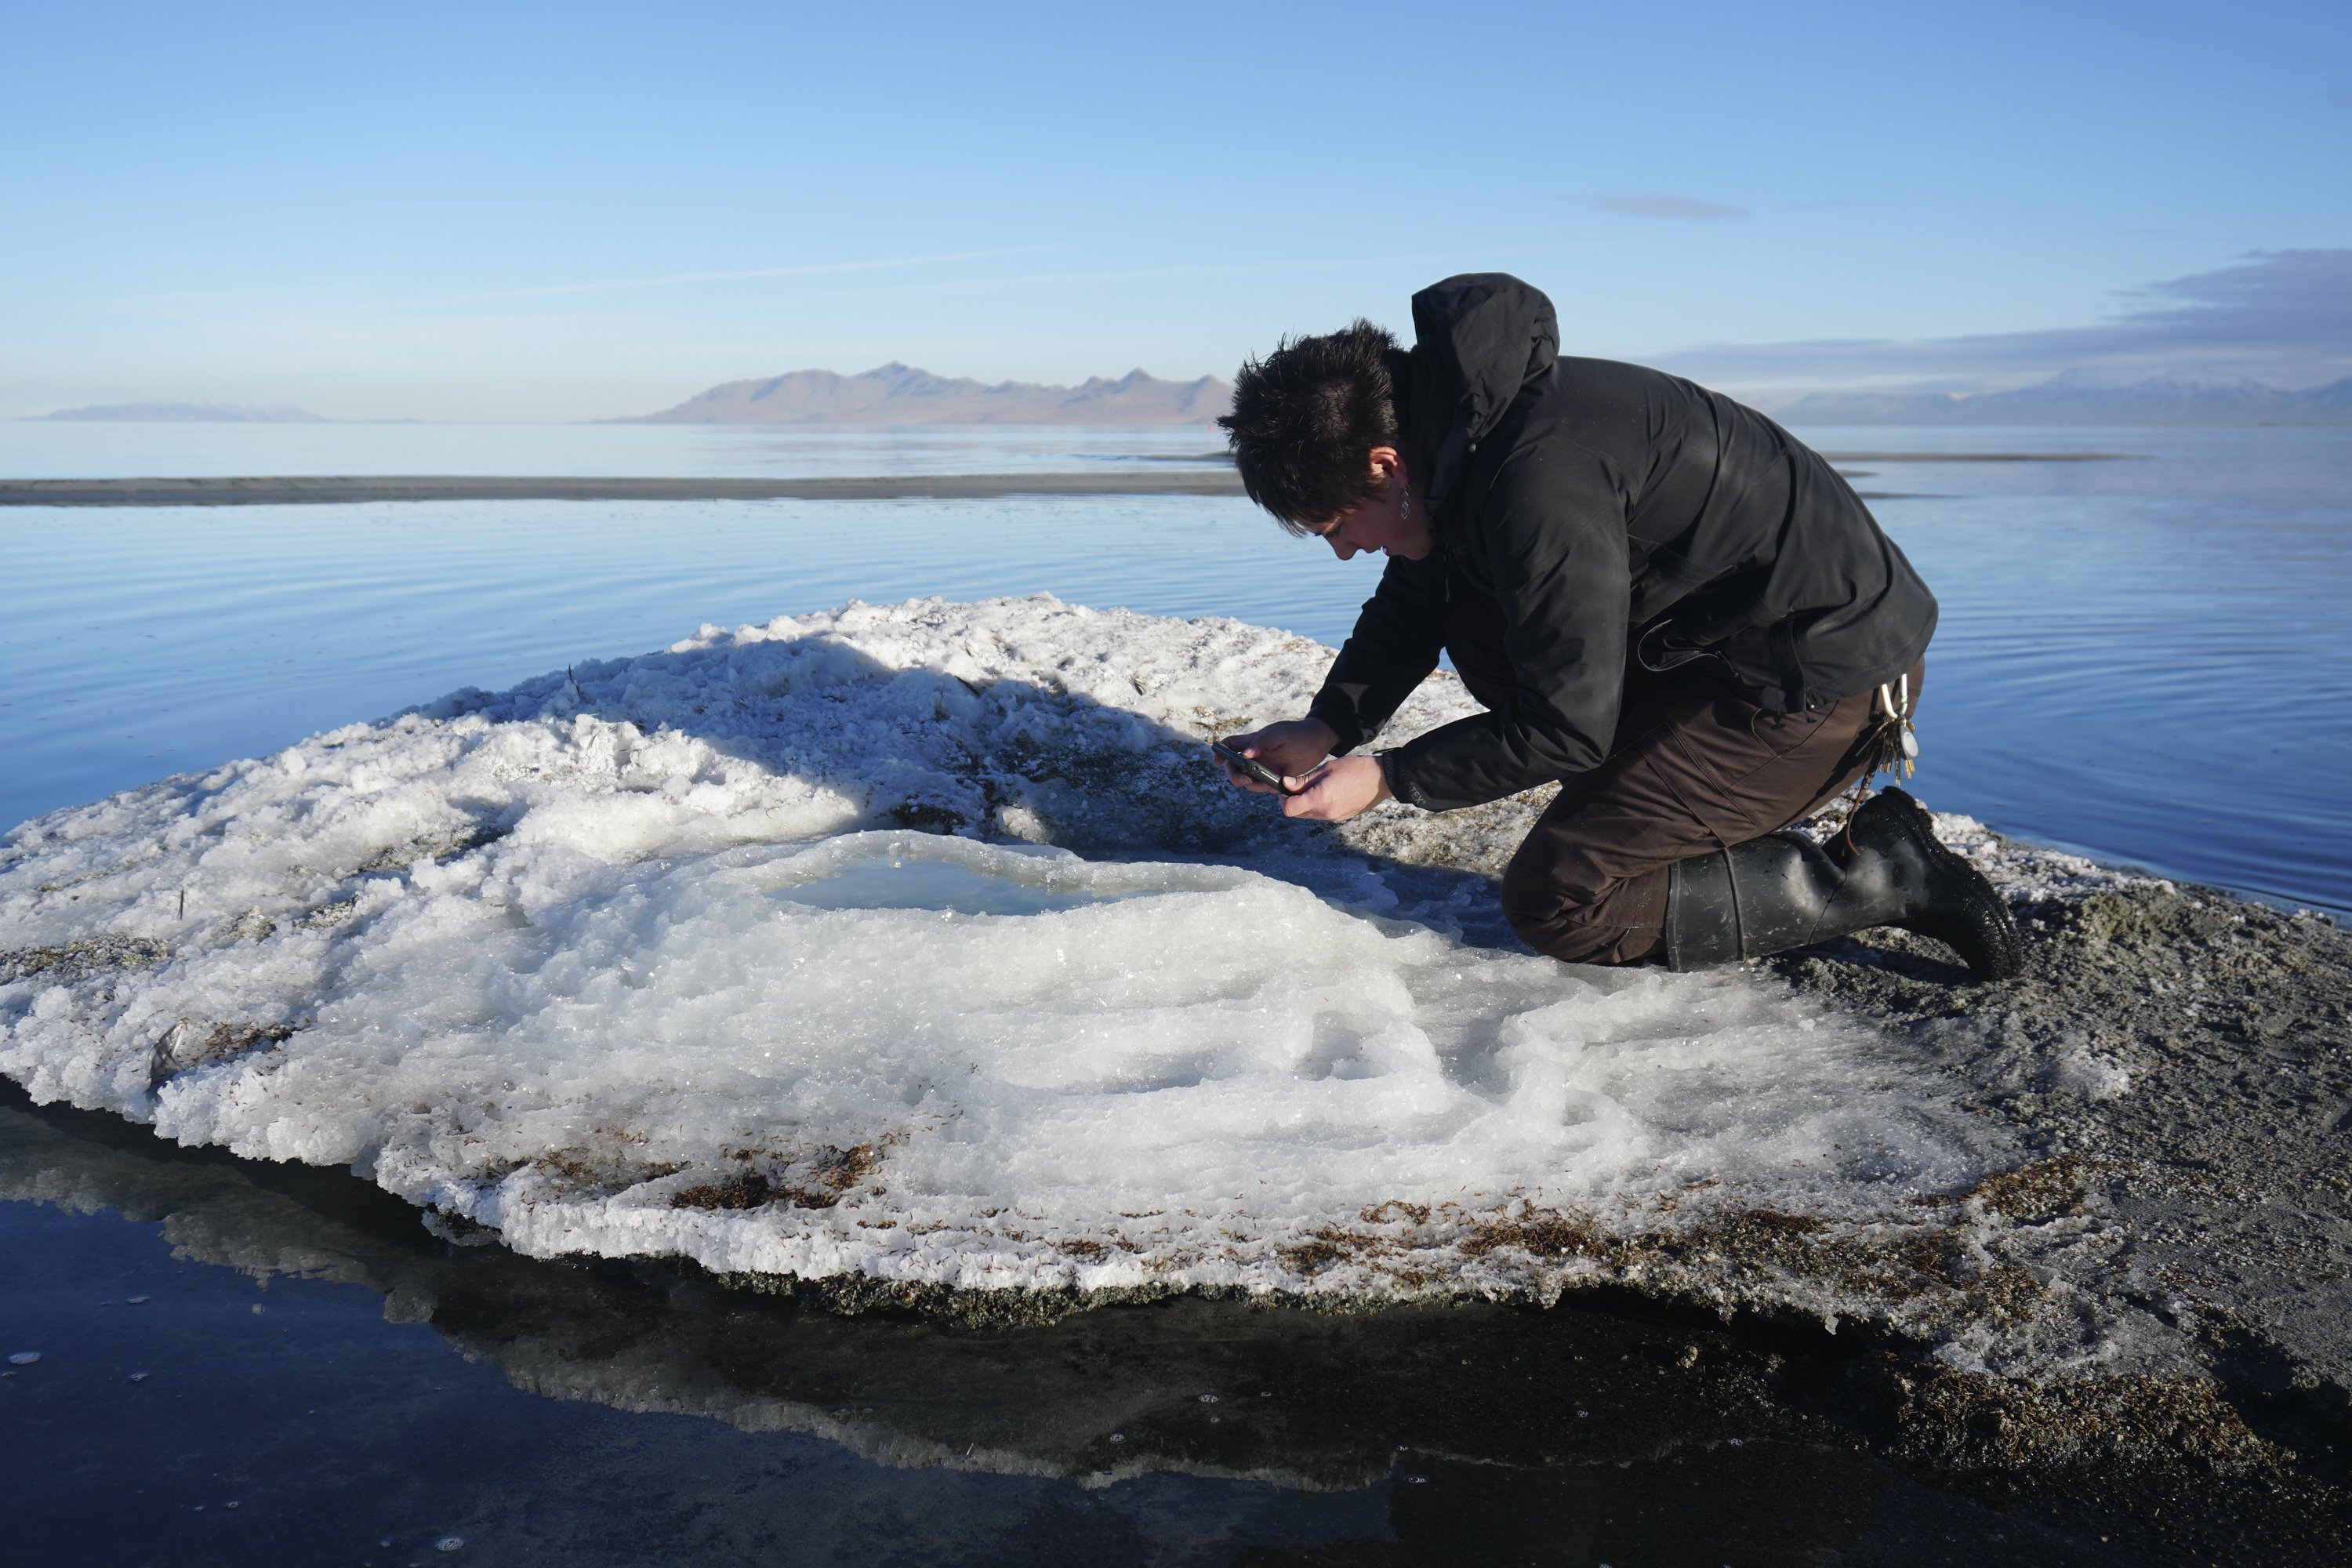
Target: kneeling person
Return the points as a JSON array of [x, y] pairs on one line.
[[1665, 602]]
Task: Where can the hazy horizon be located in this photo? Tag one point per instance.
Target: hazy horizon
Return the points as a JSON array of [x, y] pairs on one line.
[[1865, 404]]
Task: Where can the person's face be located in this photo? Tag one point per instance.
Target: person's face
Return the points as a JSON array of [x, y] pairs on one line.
[[1393, 521]]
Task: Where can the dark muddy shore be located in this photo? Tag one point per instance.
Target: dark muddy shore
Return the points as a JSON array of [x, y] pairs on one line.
[[2181, 1063], [1648, 1433], [2175, 1064], [1210, 475]]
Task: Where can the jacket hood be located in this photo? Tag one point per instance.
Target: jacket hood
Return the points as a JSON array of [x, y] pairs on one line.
[[1477, 339]]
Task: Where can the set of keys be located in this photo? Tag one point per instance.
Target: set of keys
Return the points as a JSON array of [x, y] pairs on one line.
[[1897, 743]]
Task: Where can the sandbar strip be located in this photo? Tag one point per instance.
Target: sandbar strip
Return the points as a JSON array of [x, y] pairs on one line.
[[312, 489], [1979, 456]]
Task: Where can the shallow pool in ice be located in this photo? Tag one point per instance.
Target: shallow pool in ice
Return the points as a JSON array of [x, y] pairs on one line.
[[631, 961], [904, 875]]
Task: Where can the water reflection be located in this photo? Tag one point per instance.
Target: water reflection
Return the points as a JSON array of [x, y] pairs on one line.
[[1491, 1435]]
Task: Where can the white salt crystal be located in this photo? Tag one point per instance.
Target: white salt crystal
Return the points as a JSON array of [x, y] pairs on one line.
[[634, 961]]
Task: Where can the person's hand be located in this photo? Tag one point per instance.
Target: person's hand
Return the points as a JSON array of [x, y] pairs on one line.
[[1343, 787], [1292, 749]]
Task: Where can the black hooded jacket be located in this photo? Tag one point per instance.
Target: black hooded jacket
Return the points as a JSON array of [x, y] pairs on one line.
[[1592, 501]]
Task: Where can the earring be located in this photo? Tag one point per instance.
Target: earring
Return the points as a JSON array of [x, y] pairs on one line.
[[1404, 509]]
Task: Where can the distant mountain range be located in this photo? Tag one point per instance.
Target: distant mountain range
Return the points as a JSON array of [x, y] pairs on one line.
[[189, 413], [900, 394], [2073, 398]]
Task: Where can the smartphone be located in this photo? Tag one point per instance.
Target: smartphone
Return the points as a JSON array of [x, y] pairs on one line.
[[1252, 767]]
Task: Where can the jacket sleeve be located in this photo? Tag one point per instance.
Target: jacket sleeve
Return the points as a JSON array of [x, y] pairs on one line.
[[1552, 529], [1399, 634]]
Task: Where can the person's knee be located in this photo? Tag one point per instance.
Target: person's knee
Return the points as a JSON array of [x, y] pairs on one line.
[[1549, 918], [1579, 938], [1572, 924], [1529, 900]]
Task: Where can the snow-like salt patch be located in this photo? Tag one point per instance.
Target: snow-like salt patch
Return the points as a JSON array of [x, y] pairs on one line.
[[2093, 1076], [648, 957]]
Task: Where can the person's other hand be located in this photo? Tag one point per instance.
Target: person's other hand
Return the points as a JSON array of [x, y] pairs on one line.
[[1341, 788], [1292, 749]]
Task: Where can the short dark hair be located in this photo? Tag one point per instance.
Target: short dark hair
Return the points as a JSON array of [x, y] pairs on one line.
[[1306, 418]]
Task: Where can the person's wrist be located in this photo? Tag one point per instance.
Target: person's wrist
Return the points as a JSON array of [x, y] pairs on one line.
[[1381, 768]]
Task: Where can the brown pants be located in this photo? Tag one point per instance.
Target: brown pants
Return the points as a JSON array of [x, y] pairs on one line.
[[1695, 768]]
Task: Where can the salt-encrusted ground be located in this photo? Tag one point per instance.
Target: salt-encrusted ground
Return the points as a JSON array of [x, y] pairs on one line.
[[777, 952]]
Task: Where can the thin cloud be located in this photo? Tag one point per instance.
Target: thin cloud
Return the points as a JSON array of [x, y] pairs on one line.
[[2283, 317], [1179, 271], [810, 271], [1652, 205]]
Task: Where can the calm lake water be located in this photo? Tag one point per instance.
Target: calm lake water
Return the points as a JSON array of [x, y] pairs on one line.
[[32, 450], [2146, 658], [2143, 658]]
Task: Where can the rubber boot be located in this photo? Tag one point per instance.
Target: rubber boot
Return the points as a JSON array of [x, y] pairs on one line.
[[1886, 870]]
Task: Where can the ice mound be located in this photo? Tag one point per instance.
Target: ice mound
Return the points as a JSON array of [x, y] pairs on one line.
[[650, 957]]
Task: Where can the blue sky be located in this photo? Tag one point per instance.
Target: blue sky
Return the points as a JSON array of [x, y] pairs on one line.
[[513, 212]]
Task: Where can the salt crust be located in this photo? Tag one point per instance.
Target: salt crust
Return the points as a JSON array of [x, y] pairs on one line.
[[549, 960]]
